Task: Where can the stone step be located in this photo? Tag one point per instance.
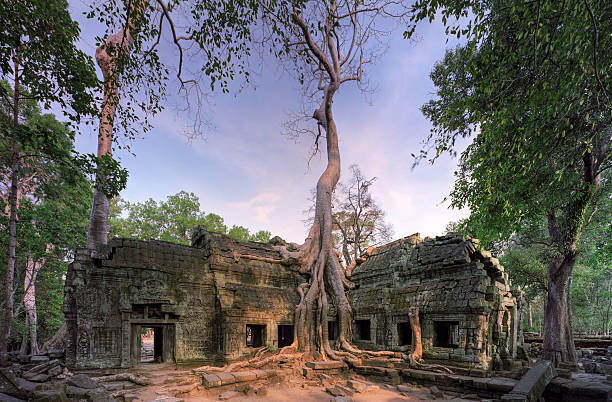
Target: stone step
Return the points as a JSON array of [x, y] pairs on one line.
[[215, 380], [325, 365]]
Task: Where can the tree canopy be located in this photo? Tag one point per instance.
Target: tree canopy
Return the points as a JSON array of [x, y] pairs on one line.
[[173, 220], [532, 87]]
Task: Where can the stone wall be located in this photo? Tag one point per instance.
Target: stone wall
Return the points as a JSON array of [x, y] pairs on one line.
[[467, 312], [219, 299], [250, 292], [199, 299], [110, 295]]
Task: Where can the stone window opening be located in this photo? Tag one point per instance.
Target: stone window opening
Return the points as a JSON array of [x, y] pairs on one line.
[[363, 330], [404, 334], [446, 334], [255, 335], [285, 335]]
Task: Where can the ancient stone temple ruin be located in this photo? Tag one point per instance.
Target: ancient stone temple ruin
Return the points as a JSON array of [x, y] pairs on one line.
[[219, 299], [467, 314]]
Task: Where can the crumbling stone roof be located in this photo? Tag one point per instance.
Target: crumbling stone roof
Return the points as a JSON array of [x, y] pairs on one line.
[[412, 254]]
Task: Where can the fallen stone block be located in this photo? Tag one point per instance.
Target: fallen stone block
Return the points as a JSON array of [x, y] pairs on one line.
[[404, 388], [260, 374], [339, 390], [356, 386], [226, 378], [39, 359], [532, 385], [83, 381], [57, 370], [8, 383], [50, 395], [211, 381], [242, 376], [435, 391], [325, 365], [130, 397], [36, 377]]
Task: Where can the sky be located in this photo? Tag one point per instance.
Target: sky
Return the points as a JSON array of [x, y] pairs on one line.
[[246, 171]]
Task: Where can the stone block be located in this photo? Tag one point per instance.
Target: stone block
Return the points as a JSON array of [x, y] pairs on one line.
[[36, 377], [533, 383], [356, 386], [478, 373], [325, 365], [260, 374], [226, 378], [501, 385], [39, 359], [83, 381], [242, 376], [211, 381], [339, 390], [8, 382], [50, 395]]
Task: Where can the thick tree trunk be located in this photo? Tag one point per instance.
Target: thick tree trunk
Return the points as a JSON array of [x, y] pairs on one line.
[[118, 45], [318, 257], [556, 319]]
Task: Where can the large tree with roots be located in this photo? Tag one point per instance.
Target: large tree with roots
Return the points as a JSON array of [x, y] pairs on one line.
[[329, 44], [214, 35], [533, 86]]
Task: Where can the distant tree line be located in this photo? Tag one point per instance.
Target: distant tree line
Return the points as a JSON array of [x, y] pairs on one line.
[[172, 220]]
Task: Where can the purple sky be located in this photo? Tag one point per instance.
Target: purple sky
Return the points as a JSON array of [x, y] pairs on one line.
[[250, 174]]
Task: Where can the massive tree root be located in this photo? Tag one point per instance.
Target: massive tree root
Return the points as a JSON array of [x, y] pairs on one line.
[[327, 278]]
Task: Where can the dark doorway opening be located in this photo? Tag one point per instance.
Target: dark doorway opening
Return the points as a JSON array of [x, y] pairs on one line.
[[332, 330], [255, 335], [285, 335], [152, 343], [363, 330], [446, 334], [404, 334]]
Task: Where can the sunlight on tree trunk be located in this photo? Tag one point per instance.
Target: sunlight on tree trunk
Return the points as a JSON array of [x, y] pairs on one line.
[[108, 58]]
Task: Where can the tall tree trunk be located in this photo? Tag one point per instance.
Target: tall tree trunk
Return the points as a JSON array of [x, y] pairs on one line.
[[556, 319], [530, 315], [319, 258], [569, 333], [7, 322], [108, 57], [29, 299]]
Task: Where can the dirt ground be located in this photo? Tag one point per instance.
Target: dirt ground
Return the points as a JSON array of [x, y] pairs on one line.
[[171, 384]]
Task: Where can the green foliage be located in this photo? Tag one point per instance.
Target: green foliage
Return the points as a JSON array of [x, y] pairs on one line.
[[532, 87], [40, 35], [592, 280], [239, 233], [262, 236], [214, 35], [54, 210], [173, 220]]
